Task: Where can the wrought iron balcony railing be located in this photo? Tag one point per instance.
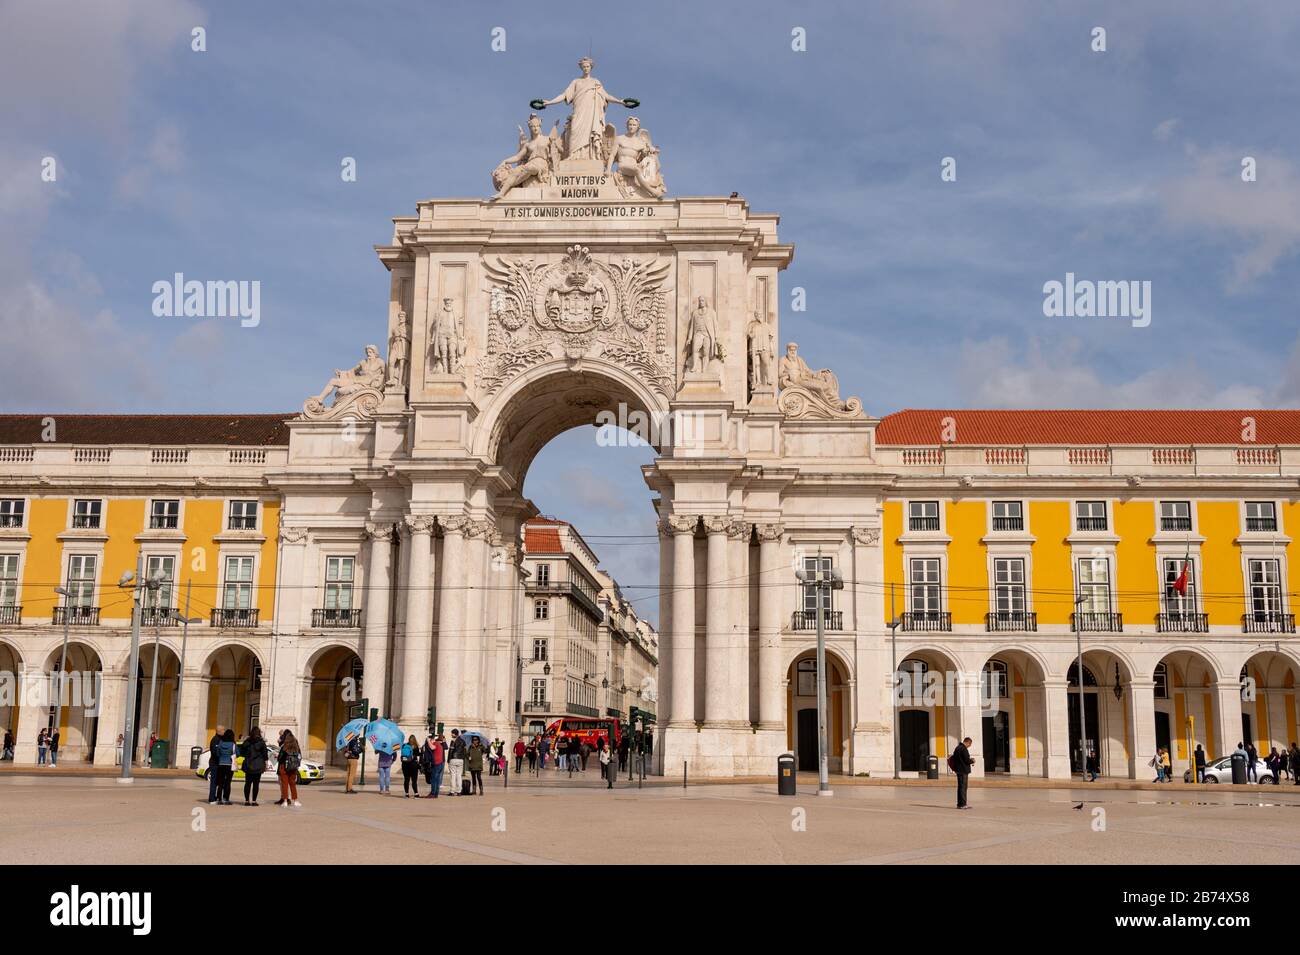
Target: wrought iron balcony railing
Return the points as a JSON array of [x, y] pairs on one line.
[[1261, 524], [334, 617], [807, 620], [222, 617], [1008, 523], [162, 521], [923, 523], [927, 620], [1262, 622], [1025, 621], [1180, 622], [77, 616], [1091, 523], [1095, 621], [1175, 523], [158, 617], [536, 707]]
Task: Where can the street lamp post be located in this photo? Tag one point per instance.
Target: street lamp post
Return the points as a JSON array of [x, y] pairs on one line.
[[893, 657], [822, 581], [138, 586], [63, 660], [180, 673], [1078, 669]]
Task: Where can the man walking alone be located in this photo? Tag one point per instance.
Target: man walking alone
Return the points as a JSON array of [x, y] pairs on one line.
[[960, 763]]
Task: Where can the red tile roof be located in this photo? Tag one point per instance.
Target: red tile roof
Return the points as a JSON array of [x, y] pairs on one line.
[[914, 426], [542, 536], [251, 430]]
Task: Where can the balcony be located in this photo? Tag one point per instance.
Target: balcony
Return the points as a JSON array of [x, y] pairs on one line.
[[1261, 524], [577, 709], [1175, 523], [536, 707], [246, 618], [1267, 622], [77, 616], [1182, 623], [1091, 523], [923, 523], [242, 524], [334, 617], [11, 520], [85, 521], [158, 617], [1008, 523], [11, 616], [1022, 621], [916, 620], [569, 589], [163, 522], [1097, 622], [807, 620]]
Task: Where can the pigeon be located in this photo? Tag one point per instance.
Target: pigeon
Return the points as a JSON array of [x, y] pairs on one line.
[[1080, 806]]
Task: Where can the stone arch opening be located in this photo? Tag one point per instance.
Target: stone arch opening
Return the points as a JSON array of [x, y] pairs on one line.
[[1014, 702], [926, 708], [333, 679], [11, 668], [1268, 701], [801, 712], [232, 678], [82, 691], [1185, 686]]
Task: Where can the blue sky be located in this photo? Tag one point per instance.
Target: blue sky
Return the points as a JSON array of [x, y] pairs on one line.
[[225, 165]]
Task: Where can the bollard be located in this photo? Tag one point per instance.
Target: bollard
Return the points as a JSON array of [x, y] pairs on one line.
[[683, 774]]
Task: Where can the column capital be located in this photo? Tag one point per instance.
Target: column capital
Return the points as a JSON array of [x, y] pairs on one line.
[[292, 535], [770, 533], [454, 524], [419, 523], [739, 530], [479, 529], [679, 524], [866, 535], [380, 531], [716, 524]]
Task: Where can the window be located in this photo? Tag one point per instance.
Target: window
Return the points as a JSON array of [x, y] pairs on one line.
[[540, 647], [11, 512], [1162, 681], [8, 580], [338, 583], [923, 516], [243, 516], [1260, 516], [1090, 515], [1009, 585], [87, 513], [81, 580], [812, 565], [537, 693], [1175, 516], [238, 593], [255, 678], [995, 680], [164, 514], [1265, 588], [541, 610], [165, 569], [1008, 516], [1094, 585], [924, 587], [806, 674], [1176, 603], [543, 574]]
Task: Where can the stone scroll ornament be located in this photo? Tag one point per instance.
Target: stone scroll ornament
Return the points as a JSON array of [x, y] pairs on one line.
[[577, 307], [357, 391], [812, 394]]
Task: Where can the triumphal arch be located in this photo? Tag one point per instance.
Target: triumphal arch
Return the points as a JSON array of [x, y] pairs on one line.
[[580, 284]]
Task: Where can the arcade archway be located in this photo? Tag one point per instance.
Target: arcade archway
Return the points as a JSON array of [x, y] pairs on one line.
[[334, 675], [801, 712]]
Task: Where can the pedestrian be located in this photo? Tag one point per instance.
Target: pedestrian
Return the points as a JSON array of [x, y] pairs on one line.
[[1200, 763], [433, 758], [225, 766], [583, 752], [624, 747], [531, 752], [1252, 755], [256, 756], [543, 748], [1295, 764], [456, 761], [148, 753], [214, 775], [356, 746], [54, 747], [606, 766], [8, 752], [385, 764], [119, 750], [960, 763], [290, 760], [1156, 764], [562, 751], [474, 762], [411, 767], [1094, 765], [600, 755], [520, 750], [42, 746], [1166, 765], [1274, 763]]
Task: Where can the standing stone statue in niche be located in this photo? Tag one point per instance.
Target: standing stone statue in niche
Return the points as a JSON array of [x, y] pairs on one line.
[[584, 133], [537, 158], [446, 339], [703, 347], [638, 162], [399, 350], [762, 352]]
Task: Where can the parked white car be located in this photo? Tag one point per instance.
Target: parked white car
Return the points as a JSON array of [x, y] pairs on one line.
[[1220, 771], [307, 772]]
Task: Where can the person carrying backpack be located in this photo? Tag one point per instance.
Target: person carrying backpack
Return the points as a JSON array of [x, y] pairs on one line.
[[256, 756], [432, 759], [353, 752], [287, 770], [456, 761]]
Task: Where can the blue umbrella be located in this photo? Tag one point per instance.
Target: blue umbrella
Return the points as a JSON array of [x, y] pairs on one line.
[[385, 736], [350, 731], [468, 737]]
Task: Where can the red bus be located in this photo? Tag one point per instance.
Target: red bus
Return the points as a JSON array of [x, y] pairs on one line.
[[585, 730]]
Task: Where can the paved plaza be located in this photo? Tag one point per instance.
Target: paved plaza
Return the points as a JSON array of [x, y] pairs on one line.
[[97, 820]]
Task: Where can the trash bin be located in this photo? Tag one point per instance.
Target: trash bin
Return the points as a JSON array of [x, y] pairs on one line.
[[1238, 769], [932, 768], [785, 774], [158, 756], [196, 753]]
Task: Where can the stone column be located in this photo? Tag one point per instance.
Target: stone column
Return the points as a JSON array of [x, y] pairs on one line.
[[1057, 706], [717, 630], [193, 707], [401, 592], [1227, 719], [474, 645], [771, 698], [375, 608], [451, 623], [419, 623], [683, 635], [971, 717], [111, 710], [1142, 717], [663, 680], [737, 708]]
